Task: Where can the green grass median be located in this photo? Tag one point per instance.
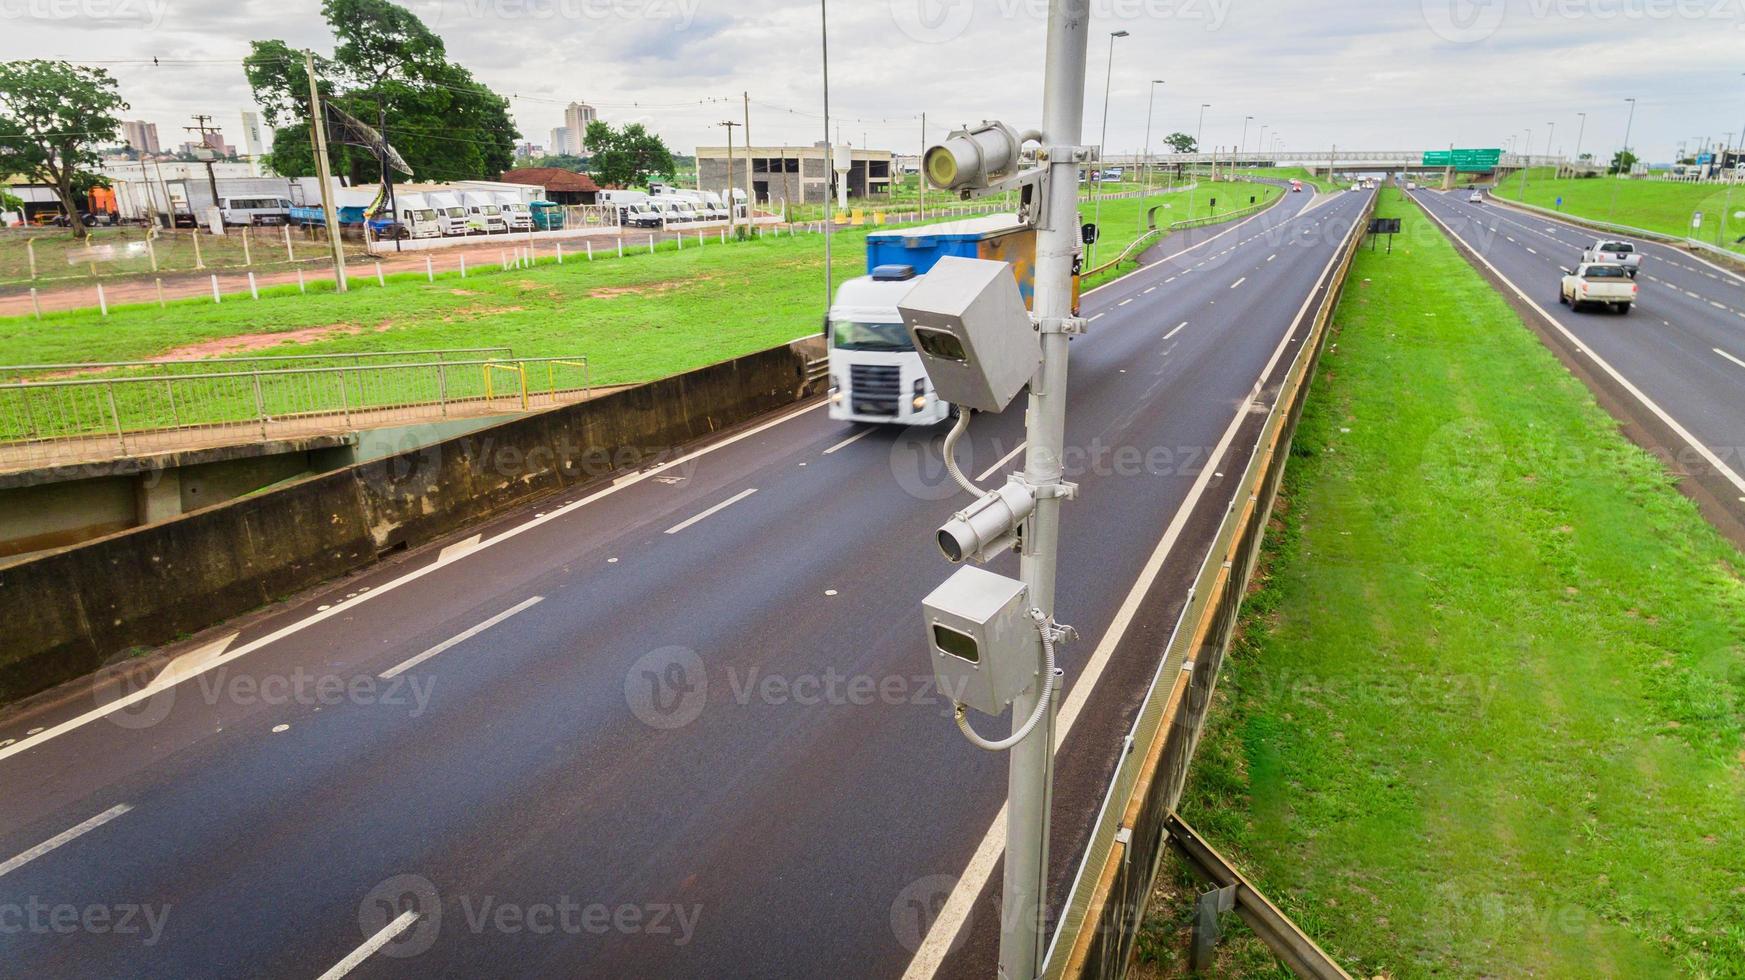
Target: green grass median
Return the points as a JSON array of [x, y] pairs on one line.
[[1485, 713], [1653, 205]]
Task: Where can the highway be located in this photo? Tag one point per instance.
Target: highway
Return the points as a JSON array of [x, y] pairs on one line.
[[1678, 357], [680, 725]]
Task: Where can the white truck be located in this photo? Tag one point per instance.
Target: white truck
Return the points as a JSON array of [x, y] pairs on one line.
[[516, 213], [621, 202], [451, 214], [484, 215], [875, 374], [1604, 284], [1613, 251], [418, 217]]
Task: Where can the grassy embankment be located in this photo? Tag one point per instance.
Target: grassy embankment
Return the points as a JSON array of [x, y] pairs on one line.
[[1656, 205], [636, 318], [1485, 713]]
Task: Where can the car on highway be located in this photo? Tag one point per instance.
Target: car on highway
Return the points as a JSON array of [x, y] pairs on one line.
[[1476, 197], [1604, 284], [1613, 251]]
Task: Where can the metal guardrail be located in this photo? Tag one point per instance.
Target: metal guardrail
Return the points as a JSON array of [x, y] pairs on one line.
[[1103, 911], [1727, 255], [213, 365], [46, 422]]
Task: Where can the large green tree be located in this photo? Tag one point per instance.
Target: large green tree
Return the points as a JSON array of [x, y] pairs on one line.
[[1182, 143], [386, 66], [626, 157], [53, 116]]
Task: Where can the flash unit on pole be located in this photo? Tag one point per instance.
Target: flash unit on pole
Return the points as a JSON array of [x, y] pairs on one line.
[[972, 158]]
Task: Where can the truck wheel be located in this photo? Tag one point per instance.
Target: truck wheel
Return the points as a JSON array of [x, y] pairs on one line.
[[1623, 309], [1562, 297]]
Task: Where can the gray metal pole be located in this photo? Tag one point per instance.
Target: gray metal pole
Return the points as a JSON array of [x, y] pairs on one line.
[[1031, 782], [829, 154], [1199, 130], [1579, 133], [1526, 162], [1102, 165], [1612, 213], [1145, 195]]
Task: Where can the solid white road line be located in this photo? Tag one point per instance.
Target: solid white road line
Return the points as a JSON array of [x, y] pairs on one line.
[[370, 946], [1238, 282], [723, 505], [628, 480], [1178, 329], [459, 638], [63, 837], [956, 909], [1003, 461], [1728, 356], [1616, 375], [851, 440]]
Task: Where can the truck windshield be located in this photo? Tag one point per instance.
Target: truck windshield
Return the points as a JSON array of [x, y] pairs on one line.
[[425, 215], [871, 336], [456, 212], [490, 209]]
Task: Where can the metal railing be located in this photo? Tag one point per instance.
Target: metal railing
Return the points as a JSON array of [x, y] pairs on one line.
[[265, 362], [81, 419], [1101, 916]]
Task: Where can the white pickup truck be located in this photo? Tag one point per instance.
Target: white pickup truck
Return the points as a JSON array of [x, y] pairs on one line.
[[1604, 284], [1611, 251]]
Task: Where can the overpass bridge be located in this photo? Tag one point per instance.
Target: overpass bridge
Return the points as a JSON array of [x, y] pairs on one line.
[[1319, 161]]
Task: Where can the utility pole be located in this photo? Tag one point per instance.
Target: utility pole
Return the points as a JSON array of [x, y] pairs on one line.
[[1526, 163], [1193, 185], [330, 217], [1150, 101], [732, 213], [201, 128], [829, 152], [750, 188], [921, 178], [1102, 142], [1579, 133], [388, 179], [1623, 171]]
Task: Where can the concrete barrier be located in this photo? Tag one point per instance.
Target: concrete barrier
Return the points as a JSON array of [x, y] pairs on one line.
[[70, 611]]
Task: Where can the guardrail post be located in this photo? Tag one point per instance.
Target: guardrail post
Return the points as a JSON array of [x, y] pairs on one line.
[[442, 386], [344, 399], [523, 369], [115, 415], [260, 405], [29, 416], [489, 394], [170, 396]]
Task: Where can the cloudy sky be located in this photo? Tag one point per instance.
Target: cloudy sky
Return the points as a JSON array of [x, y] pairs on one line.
[[1381, 75]]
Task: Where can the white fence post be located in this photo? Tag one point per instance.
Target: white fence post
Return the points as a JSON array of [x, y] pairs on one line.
[[301, 286], [215, 298], [102, 304], [379, 280], [463, 267], [253, 290], [429, 269]]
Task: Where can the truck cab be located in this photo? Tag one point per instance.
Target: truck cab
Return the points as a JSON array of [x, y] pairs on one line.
[[515, 212], [484, 215], [875, 374]]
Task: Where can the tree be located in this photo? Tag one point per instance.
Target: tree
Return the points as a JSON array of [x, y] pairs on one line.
[[626, 157], [53, 116], [1182, 143], [386, 63], [1623, 162]]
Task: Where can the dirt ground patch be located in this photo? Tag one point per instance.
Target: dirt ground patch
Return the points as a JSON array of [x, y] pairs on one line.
[[244, 343], [646, 288]]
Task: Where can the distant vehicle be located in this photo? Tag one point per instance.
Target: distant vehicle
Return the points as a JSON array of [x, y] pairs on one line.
[[1114, 173], [1611, 251], [1411, 185], [1296, 187], [484, 215], [1598, 284], [243, 211], [515, 211], [1357, 187], [644, 214], [622, 201], [1476, 197], [451, 214], [547, 215], [683, 210], [417, 218]]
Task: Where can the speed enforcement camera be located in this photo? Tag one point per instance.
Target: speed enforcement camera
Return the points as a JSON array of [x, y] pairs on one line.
[[976, 340], [973, 158], [982, 639]]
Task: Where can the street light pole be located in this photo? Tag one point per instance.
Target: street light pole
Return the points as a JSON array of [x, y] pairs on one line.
[[829, 153], [1102, 142], [1193, 186], [1526, 163], [1145, 195], [1260, 142], [1242, 147], [1549, 138], [1579, 133], [1623, 170]]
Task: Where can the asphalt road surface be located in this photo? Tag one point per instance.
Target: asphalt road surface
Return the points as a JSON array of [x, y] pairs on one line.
[[1679, 356], [682, 725]]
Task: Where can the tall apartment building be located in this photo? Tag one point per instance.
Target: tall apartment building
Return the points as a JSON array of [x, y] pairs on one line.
[[141, 135]]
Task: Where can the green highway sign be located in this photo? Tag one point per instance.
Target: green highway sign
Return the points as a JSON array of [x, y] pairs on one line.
[[1466, 161]]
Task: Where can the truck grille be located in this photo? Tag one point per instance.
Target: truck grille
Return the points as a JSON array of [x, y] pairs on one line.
[[875, 389]]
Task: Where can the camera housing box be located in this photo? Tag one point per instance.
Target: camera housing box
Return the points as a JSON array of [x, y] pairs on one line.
[[975, 338], [982, 642]]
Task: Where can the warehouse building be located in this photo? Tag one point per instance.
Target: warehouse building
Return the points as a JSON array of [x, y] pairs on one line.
[[797, 174]]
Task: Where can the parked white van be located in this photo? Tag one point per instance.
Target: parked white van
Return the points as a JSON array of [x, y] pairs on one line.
[[451, 214], [418, 217], [515, 211], [623, 201]]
